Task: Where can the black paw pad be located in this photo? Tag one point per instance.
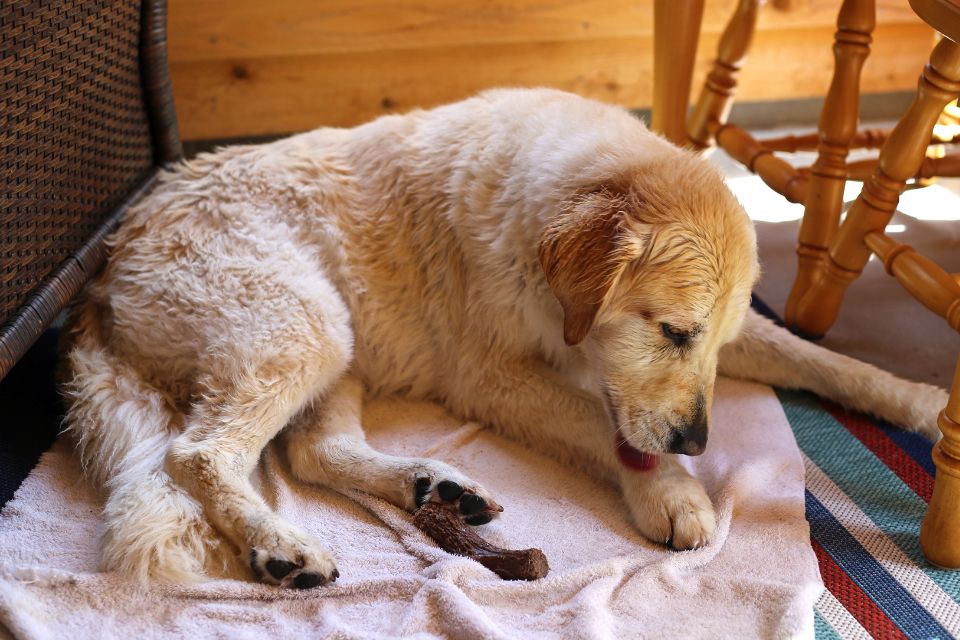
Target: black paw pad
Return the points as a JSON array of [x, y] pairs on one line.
[[279, 568], [422, 491], [476, 521], [449, 490], [471, 504], [308, 580], [334, 575]]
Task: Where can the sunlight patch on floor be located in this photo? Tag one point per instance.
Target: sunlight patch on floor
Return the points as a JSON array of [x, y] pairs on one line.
[[935, 202], [763, 204]]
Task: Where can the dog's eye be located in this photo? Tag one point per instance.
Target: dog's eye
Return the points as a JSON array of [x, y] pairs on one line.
[[678, 337]]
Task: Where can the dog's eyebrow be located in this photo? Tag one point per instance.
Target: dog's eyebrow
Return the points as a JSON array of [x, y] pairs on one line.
[[692, 332], [664, 315]]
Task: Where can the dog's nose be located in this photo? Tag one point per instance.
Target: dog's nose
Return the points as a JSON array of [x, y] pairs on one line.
[[692, 439]]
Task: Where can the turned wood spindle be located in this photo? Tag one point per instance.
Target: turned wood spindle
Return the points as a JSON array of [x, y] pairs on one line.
[[945, 167], [926, 281], [716, 98], [863, 139], [900, 159], [838, 126], [777, 173], [940, 292], [676, 32], [940, 531]]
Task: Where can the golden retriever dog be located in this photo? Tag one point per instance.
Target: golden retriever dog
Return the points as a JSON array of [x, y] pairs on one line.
[[532, 260]]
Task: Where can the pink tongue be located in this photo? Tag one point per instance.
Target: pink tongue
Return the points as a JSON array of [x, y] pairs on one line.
[[634, 458]]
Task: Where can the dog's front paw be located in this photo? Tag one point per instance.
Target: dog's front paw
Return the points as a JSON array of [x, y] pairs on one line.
[[286, 557], [674, 511], [442, 484]]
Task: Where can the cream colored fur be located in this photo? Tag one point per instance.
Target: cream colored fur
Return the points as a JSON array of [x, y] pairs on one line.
[[520, 257]]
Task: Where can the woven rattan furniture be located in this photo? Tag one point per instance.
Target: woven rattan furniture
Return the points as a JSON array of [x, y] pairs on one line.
[[832, 254], [86, 120]]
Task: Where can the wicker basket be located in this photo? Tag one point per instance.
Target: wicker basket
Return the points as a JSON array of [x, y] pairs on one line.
[[86, 119]]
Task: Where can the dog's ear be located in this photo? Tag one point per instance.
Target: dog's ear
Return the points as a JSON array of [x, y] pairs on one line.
[[585, 248]]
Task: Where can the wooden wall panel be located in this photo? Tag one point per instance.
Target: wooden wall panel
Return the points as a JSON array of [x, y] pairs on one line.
[[248, 67]]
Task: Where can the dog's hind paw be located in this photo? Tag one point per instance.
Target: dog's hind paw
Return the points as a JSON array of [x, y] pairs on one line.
[[290, 559], [475, 504]]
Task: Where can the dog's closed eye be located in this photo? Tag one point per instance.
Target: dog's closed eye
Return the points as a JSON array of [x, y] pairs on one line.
[[679, 337]]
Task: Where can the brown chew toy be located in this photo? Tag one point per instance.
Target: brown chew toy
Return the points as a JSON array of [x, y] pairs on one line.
[[443, 524]]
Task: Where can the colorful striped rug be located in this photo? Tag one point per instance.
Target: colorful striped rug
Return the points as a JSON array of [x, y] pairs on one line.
[[868, 485]]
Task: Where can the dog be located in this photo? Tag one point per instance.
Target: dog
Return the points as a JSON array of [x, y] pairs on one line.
[[530, 259]]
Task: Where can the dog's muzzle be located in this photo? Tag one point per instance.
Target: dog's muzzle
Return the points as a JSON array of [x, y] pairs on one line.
[[691, 439]]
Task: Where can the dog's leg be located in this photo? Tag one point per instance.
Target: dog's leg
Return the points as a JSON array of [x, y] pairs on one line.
[[123, 426], [245, 400], [326, 446], [772, 355], [527, 403], [669, 505]]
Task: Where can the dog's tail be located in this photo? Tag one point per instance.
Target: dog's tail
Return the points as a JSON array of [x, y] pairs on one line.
[[123, 427]]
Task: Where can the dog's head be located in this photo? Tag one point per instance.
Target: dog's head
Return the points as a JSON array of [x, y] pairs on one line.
[[653, 270]]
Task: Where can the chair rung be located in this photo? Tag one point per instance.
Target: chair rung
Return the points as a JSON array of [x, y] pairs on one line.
[[776, 172], [865, 139], [946, 167], [933, 287]]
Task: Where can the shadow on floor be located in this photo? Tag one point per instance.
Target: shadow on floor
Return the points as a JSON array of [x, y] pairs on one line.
[[31, 411]]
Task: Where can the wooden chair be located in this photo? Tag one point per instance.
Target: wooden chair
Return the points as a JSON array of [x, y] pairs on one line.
[[830, 254]]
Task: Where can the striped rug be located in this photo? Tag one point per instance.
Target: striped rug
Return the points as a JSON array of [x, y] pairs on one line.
[[868, 485]]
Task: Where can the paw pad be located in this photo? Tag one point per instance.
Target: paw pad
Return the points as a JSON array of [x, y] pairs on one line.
[[476, 521], [308, 580], [474, 508], [279, 568], [288, 574], [449, 490], [471, 504], [422, 491]]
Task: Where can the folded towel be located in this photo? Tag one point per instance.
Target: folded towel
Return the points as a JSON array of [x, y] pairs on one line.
[[758, 578]]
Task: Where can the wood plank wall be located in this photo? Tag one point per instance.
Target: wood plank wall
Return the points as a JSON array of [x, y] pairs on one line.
[[250, 67]]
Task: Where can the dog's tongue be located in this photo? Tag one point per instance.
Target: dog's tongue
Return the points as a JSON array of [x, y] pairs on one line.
[[634, 458]]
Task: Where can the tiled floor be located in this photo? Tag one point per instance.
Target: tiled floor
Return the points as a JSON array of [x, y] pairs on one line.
[[879, 322]]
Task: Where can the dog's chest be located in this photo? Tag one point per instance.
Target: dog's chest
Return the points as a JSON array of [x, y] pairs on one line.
[[394, 350]]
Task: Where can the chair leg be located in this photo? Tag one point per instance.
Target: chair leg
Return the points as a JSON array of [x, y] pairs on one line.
[[676, 29], [716, 98], [900, 159], [940, 531], [838, 126]]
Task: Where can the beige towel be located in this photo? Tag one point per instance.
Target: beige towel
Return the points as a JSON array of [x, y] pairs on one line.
[[757, 579]]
